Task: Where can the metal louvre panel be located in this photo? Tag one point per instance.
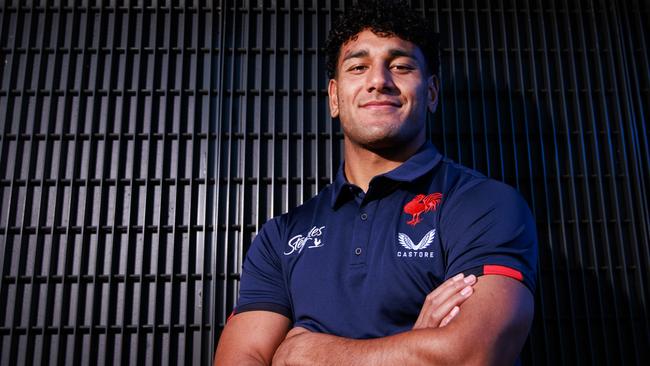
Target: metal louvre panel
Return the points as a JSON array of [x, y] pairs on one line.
[[144, 143]]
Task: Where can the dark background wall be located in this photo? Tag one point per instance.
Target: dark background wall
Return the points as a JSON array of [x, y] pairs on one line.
[[143, 143]]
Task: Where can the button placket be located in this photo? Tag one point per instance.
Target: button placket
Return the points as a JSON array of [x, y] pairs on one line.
[[362, 232]]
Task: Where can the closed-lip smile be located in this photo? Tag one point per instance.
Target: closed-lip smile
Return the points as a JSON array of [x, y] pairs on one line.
[[380, 103]]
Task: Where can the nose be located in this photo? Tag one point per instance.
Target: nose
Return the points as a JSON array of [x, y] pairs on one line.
[[379, 79]]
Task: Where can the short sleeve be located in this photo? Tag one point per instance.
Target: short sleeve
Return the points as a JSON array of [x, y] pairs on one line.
[[489, 229], [262, 285]]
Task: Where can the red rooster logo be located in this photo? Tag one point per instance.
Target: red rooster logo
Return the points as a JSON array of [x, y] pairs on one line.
[[421, 204]]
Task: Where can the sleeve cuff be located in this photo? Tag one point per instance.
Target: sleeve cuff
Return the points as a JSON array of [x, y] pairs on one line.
[[496, 269], [264, 306]]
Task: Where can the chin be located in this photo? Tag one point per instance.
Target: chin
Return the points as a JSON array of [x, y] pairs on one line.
[[389, 141], [381, 134], [385, 143]]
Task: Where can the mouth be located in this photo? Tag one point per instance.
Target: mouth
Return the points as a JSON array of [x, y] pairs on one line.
[[380, 104]]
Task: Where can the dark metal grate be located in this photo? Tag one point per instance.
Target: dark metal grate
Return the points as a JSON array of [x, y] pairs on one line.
[[143, 144]]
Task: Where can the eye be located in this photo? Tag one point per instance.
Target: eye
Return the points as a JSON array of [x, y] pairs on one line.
[[357, 69], [402, 68]]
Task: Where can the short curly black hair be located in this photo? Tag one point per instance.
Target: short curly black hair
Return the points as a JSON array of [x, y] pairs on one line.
[[384, 18]]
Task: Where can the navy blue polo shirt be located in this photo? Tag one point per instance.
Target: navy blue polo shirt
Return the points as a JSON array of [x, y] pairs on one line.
[[359, 265]]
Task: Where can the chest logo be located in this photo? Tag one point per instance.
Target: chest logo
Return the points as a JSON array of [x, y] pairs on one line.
[[421, 204], [298, 242], [407, 243], [416, 250]]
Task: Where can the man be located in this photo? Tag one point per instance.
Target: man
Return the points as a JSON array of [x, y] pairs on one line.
[[381, 267]]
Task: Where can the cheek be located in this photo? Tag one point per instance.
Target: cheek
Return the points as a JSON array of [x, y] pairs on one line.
[[349, 89], [419, 97], [346, 101]]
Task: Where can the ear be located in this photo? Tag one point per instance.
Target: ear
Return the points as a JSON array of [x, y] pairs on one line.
[[433, 86], [332, 92]]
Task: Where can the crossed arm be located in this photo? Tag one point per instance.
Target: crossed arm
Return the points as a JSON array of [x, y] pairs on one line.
[[488, 327]]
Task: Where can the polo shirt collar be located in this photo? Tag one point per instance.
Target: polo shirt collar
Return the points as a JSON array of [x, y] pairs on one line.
[[425, 159]]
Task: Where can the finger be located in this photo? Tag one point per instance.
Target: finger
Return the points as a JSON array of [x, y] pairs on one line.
[[452, 286], [452, 314], [430, 299], [433, 315], [441, 311], [439, 296], [448, 291]]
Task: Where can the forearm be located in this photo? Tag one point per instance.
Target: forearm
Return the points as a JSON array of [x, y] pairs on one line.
[[415, 347], [490, 330]]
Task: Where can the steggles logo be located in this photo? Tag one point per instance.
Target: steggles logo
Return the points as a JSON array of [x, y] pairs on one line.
[[416, 250], [298, 242]]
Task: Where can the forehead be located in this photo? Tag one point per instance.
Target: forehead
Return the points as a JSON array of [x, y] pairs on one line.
[[376, 45]]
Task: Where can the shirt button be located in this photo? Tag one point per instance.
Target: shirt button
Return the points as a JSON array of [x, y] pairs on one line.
[[357, 251], [364, 216]]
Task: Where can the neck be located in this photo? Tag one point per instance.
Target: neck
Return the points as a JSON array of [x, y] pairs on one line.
[[363, 164]]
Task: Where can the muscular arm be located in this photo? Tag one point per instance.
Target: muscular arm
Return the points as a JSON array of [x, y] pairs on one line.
[[490, 329], [251, 338]]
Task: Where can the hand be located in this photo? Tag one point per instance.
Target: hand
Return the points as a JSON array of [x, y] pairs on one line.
[[443, 304]]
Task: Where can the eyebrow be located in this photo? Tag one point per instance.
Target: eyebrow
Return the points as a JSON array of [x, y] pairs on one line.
[[393, 52], [355, 54], [396, 52]]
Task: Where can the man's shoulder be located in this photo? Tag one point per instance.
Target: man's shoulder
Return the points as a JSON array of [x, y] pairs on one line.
[[465, 179], [455, 168], [469, 187]]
